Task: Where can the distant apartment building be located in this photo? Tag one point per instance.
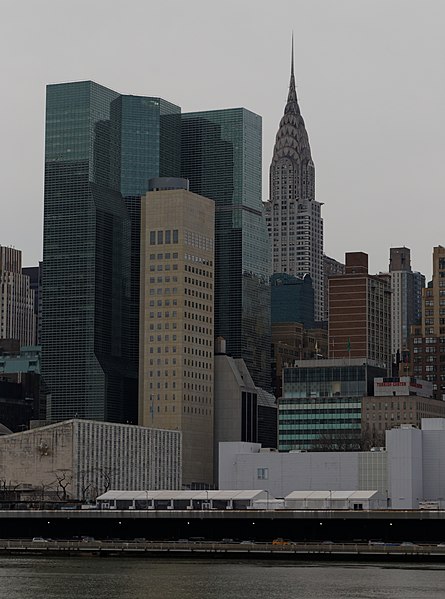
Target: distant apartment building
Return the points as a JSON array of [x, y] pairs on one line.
[[406, 295], [17, 318], [398, 401], [330, 267], [177, 321], [427, 341], [360, 313]]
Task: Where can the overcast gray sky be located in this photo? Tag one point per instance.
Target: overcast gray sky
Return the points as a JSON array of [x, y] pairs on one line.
[[370, 80]]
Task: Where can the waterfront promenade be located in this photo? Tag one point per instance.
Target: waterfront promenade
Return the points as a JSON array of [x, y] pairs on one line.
[[211, 549]]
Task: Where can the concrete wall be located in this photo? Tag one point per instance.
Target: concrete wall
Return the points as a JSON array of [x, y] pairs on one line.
[[38, 457], [404, 448], [89, 457], [243, 466]]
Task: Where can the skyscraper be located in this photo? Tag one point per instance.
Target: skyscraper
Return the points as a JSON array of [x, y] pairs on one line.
[[221, 157], [100, 150], [293, 216], [176, 345], [17, 318], [405, 299]]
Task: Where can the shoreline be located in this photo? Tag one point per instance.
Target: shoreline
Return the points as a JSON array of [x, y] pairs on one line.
[[328, 552]]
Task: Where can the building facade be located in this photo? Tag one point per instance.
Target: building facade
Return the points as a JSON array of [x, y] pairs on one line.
[[383, 413], [243, 412], [292, 299], [100, 150], [248, 466], [17, 318], [427, 341], [409, 474], [406, 297], [22, 393], [293, 215], [177, 321], [360, 313], [35, 279], [331, 267], [321, 405], [221, 158], [80, 459]]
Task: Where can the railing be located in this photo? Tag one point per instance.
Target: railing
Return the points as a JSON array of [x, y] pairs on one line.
[[72, 547]]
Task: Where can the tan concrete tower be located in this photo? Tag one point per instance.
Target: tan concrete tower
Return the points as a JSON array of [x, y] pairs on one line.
[[176, 321]]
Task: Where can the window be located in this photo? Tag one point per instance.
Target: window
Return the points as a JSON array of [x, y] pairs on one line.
[[262, 473]]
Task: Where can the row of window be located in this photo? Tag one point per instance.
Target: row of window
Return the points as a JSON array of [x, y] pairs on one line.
[[167, 236]]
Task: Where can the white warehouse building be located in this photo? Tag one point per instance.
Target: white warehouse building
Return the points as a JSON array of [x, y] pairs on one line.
[[409, 474]]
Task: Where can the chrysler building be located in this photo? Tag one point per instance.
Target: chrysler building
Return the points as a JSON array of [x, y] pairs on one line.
[[293, 216]]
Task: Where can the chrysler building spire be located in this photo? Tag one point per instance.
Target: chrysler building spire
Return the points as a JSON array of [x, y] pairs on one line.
[[294, 217], [292, 96]]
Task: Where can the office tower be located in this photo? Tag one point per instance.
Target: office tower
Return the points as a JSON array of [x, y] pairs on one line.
[[292, 299], [360, 313], [427, 341], [100, 148], [293, 215], [35, 277], [145, 143], [177, 327], [221, 157], [405, 294], [17, 319], [321, 406]]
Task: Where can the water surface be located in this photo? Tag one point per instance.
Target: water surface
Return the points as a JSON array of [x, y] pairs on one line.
[[131, 578]]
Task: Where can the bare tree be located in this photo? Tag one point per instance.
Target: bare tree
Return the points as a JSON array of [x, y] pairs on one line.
[[63, 479], [106, 476], [337, 441], [372, 438]]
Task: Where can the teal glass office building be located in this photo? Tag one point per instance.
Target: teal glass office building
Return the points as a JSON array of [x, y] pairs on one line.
[[100, 150], [221, 157], [292, 299], [321, 404]]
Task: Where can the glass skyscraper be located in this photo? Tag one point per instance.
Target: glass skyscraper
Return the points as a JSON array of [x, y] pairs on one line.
[[101, 149], [221, 157]]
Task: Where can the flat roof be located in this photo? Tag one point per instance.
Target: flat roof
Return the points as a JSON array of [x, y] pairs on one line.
[[166, 495]]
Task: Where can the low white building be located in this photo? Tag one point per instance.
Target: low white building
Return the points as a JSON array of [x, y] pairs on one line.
[[409, 474], [247, 466], [80, 459]]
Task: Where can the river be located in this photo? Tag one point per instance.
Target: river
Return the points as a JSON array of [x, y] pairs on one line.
[[130, 578]]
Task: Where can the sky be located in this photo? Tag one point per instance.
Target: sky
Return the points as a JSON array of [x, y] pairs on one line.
[[370, 81]]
